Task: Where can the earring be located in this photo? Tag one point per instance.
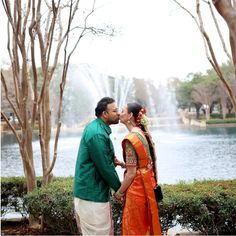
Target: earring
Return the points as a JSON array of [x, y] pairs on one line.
[[128, 121]]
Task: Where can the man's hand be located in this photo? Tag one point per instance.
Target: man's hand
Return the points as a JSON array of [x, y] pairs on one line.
[[119, 163], [118, 196]]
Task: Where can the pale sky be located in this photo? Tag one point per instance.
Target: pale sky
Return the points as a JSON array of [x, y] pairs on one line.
[[158, 40]]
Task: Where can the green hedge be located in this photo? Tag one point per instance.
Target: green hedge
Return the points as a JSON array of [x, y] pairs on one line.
[[220, 121], [205, 206], [12, 191], [220, 116], [55, 203]]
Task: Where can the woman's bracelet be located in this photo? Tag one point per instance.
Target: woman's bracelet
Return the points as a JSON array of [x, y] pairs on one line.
[[119, 193]]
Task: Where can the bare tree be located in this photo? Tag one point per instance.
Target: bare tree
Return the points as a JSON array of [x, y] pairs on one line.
[[227, 9], [205, 95], [38, 31]]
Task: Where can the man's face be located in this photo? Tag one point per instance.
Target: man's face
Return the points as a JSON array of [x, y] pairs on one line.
[[112, 114]]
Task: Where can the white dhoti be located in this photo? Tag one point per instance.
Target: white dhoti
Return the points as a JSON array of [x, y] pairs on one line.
[[95, 217]]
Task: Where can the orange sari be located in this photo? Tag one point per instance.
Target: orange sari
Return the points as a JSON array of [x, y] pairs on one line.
[[140, 212]]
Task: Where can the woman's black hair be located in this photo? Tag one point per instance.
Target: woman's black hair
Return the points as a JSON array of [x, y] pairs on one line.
[[135, 107], [102, 105]]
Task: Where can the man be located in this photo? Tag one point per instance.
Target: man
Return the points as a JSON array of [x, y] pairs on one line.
[[95, 172]]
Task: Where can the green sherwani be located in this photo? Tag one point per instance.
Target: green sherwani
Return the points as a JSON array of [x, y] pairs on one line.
[[95, 172]]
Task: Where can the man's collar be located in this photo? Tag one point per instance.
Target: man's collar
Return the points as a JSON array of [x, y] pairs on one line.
[[105, 126]]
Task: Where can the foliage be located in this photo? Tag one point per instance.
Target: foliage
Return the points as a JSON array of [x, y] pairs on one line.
[[220, 121], [183, 94], [12, 191], [205, 206], [55, 203], [117, 216], [220, 116], [203, 88]]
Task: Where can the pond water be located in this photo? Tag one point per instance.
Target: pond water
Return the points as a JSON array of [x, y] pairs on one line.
[[183, 153]]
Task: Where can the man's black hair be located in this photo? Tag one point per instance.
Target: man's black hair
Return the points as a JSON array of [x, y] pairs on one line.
[[102, 105]]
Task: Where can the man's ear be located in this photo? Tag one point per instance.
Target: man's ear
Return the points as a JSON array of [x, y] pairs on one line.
[[104, 114]]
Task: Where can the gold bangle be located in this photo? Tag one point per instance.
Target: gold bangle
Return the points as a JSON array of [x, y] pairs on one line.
[[119, 193]]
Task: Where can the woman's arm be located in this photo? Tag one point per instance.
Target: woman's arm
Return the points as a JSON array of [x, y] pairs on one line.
[[131, 167]]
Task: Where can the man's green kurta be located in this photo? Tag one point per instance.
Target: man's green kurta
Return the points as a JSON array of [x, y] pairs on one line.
[[95, 172]]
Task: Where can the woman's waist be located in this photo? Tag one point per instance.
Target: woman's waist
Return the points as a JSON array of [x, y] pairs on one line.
[[145, 169]]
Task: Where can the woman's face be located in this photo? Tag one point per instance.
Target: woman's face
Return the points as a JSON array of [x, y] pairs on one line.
[[124, 115]]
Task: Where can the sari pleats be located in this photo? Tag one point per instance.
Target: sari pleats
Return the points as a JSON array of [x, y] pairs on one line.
[[140, 211]]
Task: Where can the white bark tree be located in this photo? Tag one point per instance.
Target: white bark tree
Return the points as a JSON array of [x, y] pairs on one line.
[[38, 31], [227, 9]]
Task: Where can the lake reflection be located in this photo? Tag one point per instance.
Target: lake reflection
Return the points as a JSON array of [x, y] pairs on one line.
[[183, 154]]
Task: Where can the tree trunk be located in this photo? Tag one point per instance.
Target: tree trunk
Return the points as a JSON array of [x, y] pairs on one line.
[[46, 114], [197, 106], [228, 12], [208, 112], [224, 110]]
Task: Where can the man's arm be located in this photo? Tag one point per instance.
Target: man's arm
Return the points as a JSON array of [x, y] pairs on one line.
[[100, 153]]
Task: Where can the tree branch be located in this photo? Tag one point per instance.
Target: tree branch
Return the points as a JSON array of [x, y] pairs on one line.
[[8, 99], [219, 31], [11, 127]]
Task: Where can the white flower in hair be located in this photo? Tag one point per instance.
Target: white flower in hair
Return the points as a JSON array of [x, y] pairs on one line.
[[144, 120]]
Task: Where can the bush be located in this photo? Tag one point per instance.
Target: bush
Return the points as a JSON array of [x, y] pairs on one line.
[[220, 116], [216, 116], [220, 121], [54, 205], [117, 216], [205, 206], [231, 115], [12, 191]]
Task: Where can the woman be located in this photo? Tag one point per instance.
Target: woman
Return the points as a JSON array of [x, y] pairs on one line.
[[140, 212]]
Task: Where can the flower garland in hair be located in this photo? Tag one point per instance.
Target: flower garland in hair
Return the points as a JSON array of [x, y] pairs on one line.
[[142, 118]]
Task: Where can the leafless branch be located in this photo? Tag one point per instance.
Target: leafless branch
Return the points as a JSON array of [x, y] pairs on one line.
[[11, 127], [34, 69], [213, 59], [8, 99], [219, 31], [197, 23], [207, 44]]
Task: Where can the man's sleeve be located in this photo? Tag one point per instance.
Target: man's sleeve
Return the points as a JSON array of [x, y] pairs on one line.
[[100, 153]]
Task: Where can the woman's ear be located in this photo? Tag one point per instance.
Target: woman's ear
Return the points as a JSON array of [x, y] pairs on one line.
[[131, 115]]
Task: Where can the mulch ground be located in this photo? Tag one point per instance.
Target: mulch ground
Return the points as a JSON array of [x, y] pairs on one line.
[[18, 228], [21, 228]]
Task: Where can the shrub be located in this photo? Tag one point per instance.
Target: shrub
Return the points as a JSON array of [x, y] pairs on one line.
[[117, 216], [220, 116], [12, 191], [205, 206], [216, 116], [220, 121], [54, 205]]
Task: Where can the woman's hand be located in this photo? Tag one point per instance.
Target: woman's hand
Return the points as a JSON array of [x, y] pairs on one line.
[[119, 196]]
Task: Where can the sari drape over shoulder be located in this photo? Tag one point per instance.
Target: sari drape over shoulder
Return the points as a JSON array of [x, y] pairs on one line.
[[140, 212]]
